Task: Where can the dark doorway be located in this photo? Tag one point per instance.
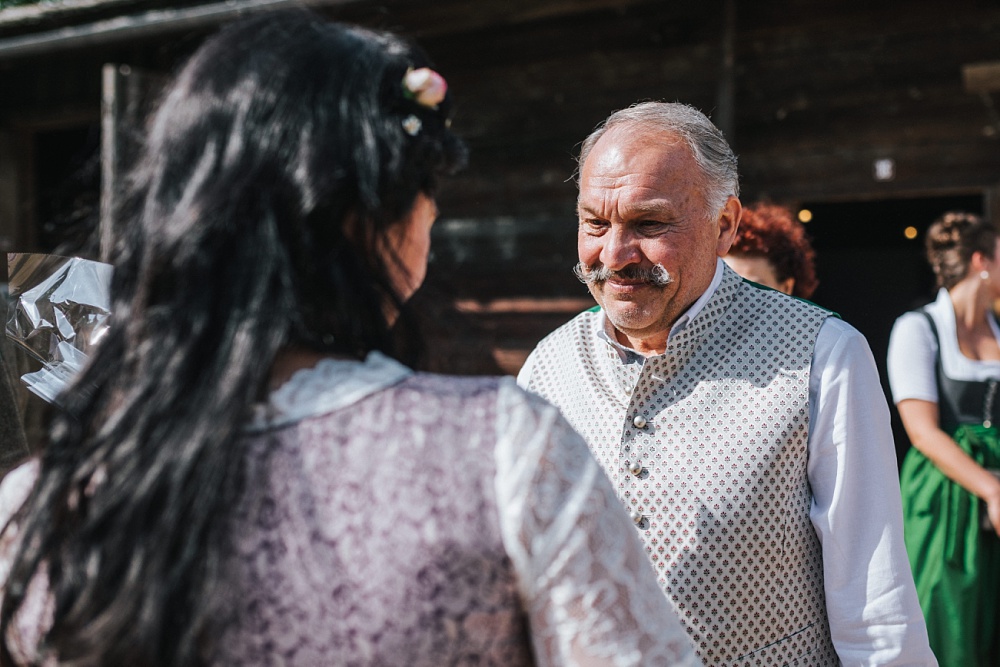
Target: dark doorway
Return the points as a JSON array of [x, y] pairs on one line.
[[871, 272], [68, 182]]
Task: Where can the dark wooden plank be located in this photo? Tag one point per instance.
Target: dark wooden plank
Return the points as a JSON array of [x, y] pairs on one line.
[[127, 97], [981, 77]]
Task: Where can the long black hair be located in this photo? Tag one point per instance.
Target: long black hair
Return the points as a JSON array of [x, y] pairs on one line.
[[257, 216]]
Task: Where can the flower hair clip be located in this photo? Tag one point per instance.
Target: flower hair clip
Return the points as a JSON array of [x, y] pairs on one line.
[[425, 87], [412, 125]]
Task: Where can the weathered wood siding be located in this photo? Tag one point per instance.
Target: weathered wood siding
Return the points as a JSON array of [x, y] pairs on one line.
[[822, 88]]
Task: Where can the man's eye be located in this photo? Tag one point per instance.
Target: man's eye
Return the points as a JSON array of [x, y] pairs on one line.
[[655, 227]]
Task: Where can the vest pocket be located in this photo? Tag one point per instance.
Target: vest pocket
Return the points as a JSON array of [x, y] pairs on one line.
[[809, 646]]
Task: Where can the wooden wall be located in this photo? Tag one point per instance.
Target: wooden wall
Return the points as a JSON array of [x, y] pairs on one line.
[[820, 89], [823, 94]]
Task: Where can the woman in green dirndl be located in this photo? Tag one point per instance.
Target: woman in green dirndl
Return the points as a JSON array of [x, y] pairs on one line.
[[944, 370]]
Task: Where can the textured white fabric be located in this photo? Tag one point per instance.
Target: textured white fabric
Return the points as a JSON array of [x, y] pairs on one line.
[[873, 612], [875, 618], [14, 490], [327, 386], [913, 348]]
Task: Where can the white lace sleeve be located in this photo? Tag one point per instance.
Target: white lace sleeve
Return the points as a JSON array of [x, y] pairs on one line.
[[14, 490], [588, 587]]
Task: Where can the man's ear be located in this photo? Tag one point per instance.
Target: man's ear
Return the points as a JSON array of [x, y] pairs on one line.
[[729, 223]]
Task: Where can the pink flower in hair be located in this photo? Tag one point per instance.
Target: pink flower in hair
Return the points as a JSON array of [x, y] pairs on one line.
[[425, 86]]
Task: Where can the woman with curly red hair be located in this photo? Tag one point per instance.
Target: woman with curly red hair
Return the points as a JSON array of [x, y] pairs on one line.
[[772, 249]]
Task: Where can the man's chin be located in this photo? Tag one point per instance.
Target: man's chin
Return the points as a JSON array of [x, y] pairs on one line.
[[625, 319]]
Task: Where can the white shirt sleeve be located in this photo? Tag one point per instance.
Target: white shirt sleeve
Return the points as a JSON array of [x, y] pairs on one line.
[[588, 587], [524, 375], [911, 359], [875, 618]]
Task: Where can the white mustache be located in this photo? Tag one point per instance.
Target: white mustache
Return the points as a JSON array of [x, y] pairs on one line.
[[656, 276]]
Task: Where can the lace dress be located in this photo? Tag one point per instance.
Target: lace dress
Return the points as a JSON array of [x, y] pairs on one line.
[[399, 518]]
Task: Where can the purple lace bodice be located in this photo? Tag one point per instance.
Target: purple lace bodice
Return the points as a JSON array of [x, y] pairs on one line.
[[374, 537], [394, 518]]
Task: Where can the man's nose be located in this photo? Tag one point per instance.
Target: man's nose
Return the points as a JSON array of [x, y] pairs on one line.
[[621, 249]]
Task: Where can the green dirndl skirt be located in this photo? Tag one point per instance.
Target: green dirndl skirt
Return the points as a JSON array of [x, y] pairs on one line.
[[955, 562]]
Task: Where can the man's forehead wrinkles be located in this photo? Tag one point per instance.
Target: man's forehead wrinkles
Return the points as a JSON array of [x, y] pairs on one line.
[[624, 204], [626, 210], [617, 181], [646, 206]]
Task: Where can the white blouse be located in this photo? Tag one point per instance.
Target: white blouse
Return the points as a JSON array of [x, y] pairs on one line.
[[913, 348]]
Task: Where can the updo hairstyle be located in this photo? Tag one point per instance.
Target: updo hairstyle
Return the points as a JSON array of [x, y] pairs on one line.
[[951, 241]]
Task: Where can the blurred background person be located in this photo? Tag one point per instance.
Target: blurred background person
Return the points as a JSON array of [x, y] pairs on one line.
[[772, 249], [944, 368], [244, 473]]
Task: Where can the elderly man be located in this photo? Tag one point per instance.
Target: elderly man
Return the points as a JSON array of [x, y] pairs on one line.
[[745, 431]]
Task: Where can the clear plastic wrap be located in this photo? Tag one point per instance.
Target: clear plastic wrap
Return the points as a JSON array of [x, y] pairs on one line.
[[59, 310]]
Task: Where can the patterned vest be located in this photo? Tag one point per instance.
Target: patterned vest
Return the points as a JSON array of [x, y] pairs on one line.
[[707, 448]]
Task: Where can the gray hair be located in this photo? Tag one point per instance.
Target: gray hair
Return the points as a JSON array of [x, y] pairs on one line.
[[709, 147]]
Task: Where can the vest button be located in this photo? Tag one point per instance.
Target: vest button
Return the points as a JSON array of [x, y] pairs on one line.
[[636, 468], [636, 516], [639, 421]]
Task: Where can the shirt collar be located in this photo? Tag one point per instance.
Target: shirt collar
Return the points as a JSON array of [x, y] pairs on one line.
[[606, 330], [332, 384]]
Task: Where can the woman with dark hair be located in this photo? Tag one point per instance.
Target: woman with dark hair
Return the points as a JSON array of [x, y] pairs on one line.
[[944, 370], [771, 248], [244, 473]]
